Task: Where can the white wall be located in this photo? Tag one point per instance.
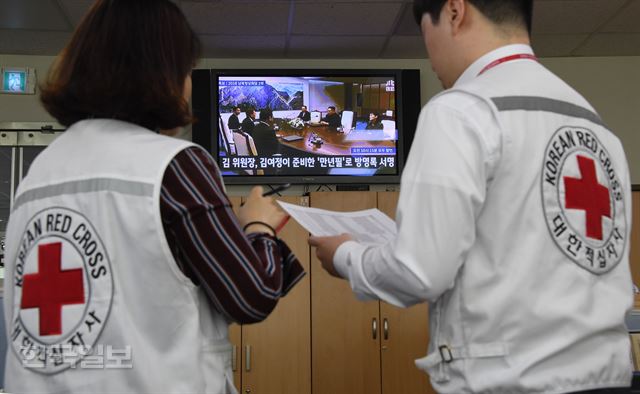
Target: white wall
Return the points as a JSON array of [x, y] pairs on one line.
[[24, 108], [611, 84]]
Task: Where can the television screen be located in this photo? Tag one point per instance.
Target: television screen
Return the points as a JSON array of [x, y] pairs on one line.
[[306, 126]]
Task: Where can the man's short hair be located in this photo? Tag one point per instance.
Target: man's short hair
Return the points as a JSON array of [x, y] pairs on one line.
[[304, 106], [249, 111], [517, 12], [331, 107], [266, 114], [234, 108]]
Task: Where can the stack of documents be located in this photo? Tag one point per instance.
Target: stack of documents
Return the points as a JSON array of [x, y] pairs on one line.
[[368, 226]]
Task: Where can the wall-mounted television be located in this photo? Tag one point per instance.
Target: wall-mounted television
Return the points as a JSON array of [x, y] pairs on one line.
[[357, 127]]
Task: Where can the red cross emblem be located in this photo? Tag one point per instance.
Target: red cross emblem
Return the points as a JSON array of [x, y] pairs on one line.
[[588, 195], [51, 288]]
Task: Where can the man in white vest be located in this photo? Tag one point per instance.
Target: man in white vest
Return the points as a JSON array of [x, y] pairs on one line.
[[513, 219]]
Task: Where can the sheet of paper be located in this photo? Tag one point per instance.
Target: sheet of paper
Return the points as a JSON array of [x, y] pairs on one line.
[[370, 225]]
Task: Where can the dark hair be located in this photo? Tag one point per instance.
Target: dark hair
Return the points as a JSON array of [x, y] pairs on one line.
[[126, 60], [498, 11], [249, 111], [265, 114], [331, 107], [234, 108], [304, 106]]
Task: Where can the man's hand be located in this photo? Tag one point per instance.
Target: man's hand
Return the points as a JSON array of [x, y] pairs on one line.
[[326, 249]]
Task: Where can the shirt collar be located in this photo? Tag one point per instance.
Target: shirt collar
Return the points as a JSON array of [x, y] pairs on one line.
[[474, 69]]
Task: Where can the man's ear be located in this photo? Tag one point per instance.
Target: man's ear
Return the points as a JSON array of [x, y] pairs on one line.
[[455, 12]]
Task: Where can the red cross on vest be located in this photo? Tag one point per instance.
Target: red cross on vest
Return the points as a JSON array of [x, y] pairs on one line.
[[589, 195], [51, 288]]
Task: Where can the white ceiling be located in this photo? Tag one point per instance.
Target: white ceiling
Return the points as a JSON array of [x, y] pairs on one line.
[[330, 29]]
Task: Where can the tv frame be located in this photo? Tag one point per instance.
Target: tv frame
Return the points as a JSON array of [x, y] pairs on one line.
[[205, 109]]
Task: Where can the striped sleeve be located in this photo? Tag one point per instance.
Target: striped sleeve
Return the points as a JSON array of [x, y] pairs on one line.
[[244, 276]]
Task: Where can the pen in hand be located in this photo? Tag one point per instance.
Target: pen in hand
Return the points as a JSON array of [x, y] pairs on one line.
[[273, 191], [276, 190]]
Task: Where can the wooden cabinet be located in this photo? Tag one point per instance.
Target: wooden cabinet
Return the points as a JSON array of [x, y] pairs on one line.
[[405, 338], [405, 334], [363, 347], [320, 338], [274, 356], [235, 330], [346, 332]]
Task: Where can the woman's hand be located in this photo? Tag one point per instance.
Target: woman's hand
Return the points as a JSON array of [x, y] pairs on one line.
[[260, 209]]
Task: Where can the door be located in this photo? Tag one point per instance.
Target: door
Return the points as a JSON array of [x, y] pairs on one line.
[[404, 334], [235, 330], [274, 356], [277, 351], [7, 177], [346, 332], [28, 154]]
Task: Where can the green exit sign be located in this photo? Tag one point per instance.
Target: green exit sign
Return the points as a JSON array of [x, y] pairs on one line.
[[14, 81], [17, 80]]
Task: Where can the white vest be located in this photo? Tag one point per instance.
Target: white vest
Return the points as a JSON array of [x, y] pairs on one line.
[[89, 267], [503, 324]]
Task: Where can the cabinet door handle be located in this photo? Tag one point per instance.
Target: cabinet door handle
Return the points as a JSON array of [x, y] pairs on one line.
[[234, 358], [385, 328], [374, 328], [247, 358]]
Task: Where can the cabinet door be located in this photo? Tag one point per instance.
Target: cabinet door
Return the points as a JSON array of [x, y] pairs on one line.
[[7, 177], [405, 338], [28, 155], [404, 334], [280, 346], [235, 330], [235, 337], [345, 352]]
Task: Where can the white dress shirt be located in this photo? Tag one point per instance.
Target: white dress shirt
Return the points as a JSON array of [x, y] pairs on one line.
[[449, 167]]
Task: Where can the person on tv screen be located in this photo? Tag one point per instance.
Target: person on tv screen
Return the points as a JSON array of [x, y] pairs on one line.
[[122, 248], [234, 122], [332, 119], [264, 135], [304, 114], [374, 122], [249, 121], [514, 219]]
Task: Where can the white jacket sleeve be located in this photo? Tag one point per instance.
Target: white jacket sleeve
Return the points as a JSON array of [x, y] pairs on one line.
[[443, 190]]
